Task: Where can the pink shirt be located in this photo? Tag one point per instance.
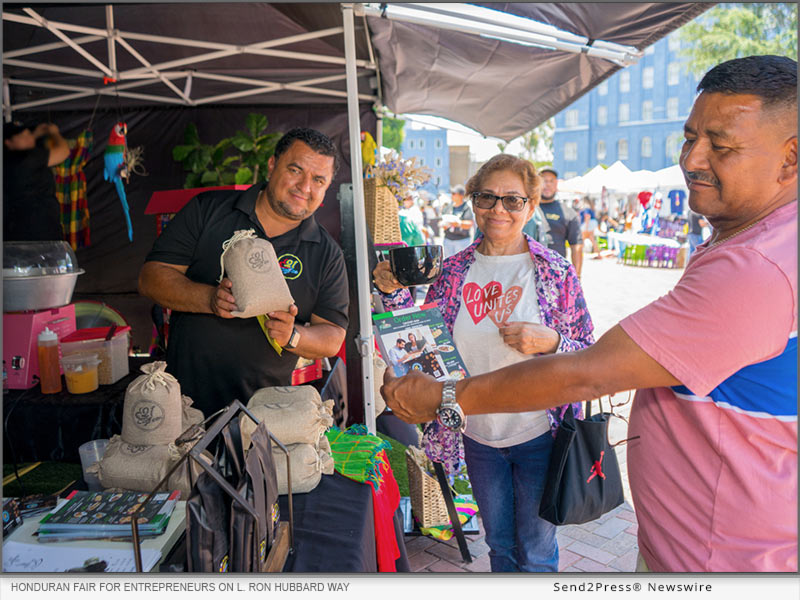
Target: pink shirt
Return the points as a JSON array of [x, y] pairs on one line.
[[714, 473]]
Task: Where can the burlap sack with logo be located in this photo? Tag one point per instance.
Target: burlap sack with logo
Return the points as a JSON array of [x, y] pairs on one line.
[[252, 266], [139, 468], [153, 411], [308, 466], [294, 415]]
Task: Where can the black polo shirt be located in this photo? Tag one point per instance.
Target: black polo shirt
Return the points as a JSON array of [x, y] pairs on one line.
[[218, 360]]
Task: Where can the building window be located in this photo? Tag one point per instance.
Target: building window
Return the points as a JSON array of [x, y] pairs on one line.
[[672, 147], [624, 112], [437, 144], [602, 89], [622, 149], [647, 147], [602, 115], [410, 144], [421, 162], [625, 81], [572, 118], [438, 162], [438, 179], [648, 76], [422, 144], [674, 43], [672, 108], [601, 150], [571, 151], [570, 174], [673, 73], [647, 110], [651, 49]]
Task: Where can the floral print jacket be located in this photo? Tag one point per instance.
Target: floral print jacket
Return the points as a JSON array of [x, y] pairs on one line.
[[562, 308]]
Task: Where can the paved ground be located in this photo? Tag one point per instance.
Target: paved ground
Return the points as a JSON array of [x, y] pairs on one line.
[[608, 544]]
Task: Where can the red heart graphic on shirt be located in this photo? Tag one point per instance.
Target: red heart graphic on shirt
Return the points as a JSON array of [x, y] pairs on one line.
[[490, 300], [478, 300]]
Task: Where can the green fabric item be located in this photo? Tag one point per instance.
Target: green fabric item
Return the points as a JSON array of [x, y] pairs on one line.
[[356, 453]]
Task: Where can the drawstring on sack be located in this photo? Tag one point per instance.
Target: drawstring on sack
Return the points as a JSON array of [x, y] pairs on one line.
[[241, 234]]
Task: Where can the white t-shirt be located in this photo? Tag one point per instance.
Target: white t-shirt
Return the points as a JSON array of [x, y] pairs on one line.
[[497, 289]]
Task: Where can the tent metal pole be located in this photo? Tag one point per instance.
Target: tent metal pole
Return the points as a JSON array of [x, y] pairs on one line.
[[85, 39], [55, 68], [6, 101], [112, 48], [366, 339], [124, 43]]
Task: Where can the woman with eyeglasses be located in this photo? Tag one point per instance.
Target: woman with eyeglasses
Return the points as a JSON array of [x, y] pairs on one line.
[[505, 298]]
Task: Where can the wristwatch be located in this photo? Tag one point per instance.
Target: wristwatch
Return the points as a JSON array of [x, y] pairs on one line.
[[293, 339], [449, 413]]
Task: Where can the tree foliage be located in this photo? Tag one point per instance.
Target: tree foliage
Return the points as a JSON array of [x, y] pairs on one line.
[[735, 30], [393, 132], [537, 144]]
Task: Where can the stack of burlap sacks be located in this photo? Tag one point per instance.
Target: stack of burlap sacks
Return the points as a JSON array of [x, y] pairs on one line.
[[154, 417], [298, 418]]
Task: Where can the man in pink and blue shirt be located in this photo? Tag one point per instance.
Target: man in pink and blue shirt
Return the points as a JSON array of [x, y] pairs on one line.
[[714, 470]]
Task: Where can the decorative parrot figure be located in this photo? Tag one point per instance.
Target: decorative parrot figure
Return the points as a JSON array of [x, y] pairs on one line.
[[368, 147], [116, 168]]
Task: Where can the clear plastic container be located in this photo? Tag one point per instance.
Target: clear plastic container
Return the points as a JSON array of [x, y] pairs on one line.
[[80, 371], [33, 259], [113, 353]]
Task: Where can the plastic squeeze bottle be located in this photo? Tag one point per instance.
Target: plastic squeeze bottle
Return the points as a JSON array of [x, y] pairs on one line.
[[49, 372]]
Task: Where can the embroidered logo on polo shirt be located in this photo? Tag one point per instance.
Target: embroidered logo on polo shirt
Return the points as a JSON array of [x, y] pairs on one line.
[[290, 265]]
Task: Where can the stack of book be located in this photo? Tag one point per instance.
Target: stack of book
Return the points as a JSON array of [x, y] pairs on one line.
[[104, 515]]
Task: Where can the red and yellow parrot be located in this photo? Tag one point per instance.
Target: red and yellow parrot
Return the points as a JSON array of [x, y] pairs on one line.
[[115, 169]]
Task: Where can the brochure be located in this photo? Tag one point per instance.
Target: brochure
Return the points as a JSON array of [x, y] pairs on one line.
[[102, 514], [417, 339]]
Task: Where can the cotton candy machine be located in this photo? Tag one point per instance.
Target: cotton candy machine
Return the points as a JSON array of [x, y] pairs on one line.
[[38, 281], [38, 275]]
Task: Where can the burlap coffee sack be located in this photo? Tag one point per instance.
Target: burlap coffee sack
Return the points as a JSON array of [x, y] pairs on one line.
[[301, 422], [140, 468], [252, 266], [285, 395], [153, 411], [308, 466], [190, 416]]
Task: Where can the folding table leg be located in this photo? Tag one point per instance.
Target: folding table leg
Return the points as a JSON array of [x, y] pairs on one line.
[[452, 512]]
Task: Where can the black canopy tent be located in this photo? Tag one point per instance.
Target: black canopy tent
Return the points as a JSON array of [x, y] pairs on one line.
[[211, 64]]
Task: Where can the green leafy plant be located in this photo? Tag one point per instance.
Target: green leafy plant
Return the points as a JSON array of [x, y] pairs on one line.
[[216, 164]]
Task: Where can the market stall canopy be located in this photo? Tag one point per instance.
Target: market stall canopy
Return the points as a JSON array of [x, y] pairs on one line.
[[195, 54]]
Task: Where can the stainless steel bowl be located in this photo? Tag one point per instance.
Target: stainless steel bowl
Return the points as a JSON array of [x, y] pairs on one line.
[[38, 292]]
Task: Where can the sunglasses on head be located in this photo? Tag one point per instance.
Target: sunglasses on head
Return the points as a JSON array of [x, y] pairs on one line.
[[486, 201]]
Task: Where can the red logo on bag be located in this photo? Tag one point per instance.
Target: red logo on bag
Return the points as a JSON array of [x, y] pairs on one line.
[[597, 468]]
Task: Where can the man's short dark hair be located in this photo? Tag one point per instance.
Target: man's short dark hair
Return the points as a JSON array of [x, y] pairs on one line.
[[771, 78], [548, 170], [316, 140]]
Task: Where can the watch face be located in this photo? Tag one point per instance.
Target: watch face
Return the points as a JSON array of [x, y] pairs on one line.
[[450, 418]]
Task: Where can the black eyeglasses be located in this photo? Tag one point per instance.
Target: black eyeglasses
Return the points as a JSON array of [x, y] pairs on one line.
[[486, 201]]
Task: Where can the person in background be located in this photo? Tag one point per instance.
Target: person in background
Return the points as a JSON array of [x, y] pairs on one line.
[[411, 222], [504, 299], [562, 220], [215, 356], [695, 236], [712, 458], [458, 228], [588, 223], [30, 207]]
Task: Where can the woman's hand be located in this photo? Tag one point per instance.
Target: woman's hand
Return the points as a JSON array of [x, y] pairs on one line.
[[384, 278], [530, 338]]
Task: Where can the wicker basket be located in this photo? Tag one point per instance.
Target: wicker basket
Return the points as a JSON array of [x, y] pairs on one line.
[[427, 501], [381, 209]]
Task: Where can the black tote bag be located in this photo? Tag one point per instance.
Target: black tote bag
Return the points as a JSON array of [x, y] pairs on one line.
[[583, 477]]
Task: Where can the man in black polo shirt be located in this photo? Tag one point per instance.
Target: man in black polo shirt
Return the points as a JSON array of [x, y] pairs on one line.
[[217, 357], [562, 221]]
